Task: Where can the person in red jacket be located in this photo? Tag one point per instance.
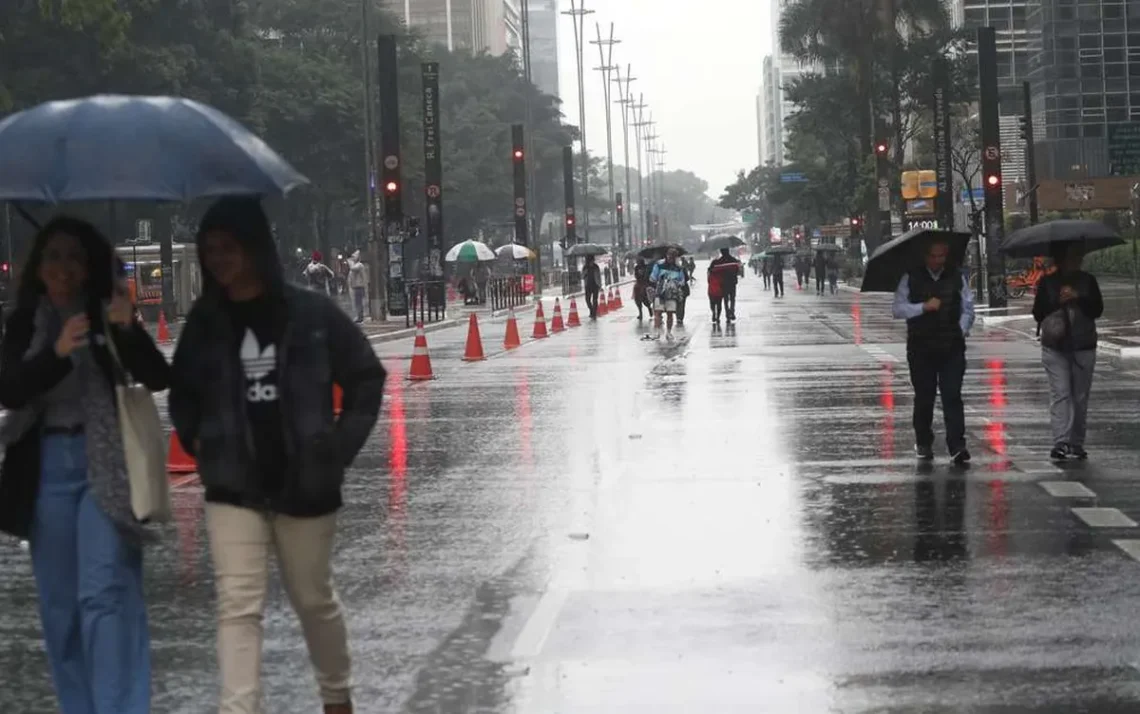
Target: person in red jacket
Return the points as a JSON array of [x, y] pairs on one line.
[[716, 294]]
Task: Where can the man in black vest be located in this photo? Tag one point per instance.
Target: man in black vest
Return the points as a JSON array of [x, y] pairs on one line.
[[936, 302]]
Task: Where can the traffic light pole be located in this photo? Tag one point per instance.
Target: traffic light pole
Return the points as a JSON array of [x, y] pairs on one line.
[[391, 257], [1030, 153], [991, 165], [571, 237], [883, 191]]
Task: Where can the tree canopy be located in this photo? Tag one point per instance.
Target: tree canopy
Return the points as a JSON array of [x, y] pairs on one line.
[[875, 82], [291, 71]]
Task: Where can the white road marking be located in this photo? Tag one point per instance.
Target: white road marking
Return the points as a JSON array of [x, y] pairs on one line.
[[1104, 518], [1067, 489], [1037, 467], [1131, 548], [539, 625]]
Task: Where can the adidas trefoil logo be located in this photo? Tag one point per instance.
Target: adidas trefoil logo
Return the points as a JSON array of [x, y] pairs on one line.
[[258, 363]]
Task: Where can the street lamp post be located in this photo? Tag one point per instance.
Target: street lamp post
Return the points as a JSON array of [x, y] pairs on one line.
[[651, 180], [638, 127], [660, 185], [577, 13], [626, 102], [605, 55]]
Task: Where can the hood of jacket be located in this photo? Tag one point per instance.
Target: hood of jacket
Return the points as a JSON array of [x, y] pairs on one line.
[[245, 219]]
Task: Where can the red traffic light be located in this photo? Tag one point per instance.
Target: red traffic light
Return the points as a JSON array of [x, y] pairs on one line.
[[391, 187], [569, 220], [3, 267], [881, 148], [620, 208], [993, 180], [855, 221], [518, 154]]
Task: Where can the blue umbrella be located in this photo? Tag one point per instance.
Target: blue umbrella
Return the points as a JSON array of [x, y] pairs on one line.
[[110, 147]]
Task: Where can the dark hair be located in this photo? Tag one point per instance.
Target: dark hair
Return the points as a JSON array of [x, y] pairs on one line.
[[102, 263]]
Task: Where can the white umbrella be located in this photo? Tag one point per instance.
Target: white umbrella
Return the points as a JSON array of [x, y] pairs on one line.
[[469, 251], [515, 252]]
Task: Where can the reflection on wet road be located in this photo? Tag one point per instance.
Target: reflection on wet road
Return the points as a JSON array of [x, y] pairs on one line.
[[730, 523]]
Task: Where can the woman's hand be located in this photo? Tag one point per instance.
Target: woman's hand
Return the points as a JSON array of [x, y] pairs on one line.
[[73, 335], [121, 312]]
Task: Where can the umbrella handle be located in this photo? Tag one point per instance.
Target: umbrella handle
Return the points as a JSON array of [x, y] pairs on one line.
[[23, 212]]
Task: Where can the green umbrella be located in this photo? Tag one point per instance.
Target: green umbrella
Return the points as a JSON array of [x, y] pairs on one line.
[[469, 251]]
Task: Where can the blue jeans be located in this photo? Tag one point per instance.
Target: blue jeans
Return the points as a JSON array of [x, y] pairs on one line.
[[358, 302], [90, 589]]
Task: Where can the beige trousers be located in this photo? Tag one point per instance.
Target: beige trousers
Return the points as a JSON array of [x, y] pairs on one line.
[[240, 543]]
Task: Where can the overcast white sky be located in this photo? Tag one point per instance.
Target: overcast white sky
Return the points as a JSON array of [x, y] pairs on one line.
[[698, 63]]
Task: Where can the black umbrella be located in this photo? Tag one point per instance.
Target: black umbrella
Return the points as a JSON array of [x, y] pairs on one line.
[[1032, 241], [581, 249], [892, 260], [780, 250], [827, 248], [721, 242], [656, 252]]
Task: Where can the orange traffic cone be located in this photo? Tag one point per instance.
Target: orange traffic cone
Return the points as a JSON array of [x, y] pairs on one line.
[[602, 305], [338, 399], [421, 361], [617, 298], [511, 339], [611, 301], [474, 351], [539, 322], [573, 320], [177, 460], [163, 329], [556, 321]]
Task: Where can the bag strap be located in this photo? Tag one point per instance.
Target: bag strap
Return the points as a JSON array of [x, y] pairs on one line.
[[122, 375]]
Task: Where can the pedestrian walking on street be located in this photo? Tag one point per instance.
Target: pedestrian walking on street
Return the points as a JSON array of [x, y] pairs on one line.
[[833, 274], [317, 274], [936, 302], [667, 279], [641, 288], [358, 284], [1066, 308], [64, 485], [728, 270], [766, 271], [592, 279], [252, 400], [716, 294], [820, 272], [778, 275]]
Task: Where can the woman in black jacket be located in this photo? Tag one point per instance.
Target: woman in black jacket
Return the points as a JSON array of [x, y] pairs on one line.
[[1067, 304], [64, 485]]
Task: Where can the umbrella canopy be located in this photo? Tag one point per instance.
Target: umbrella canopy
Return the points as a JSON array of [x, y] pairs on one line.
[[721, 242], [126, 148], [827, 248], [1032, 241], [657, 252], [893, 259], [469, 251], [514, 251], [780, 250], [583, 249]]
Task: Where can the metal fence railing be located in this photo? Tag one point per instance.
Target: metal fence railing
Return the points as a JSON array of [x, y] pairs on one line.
[[427, 301], [506, 292]]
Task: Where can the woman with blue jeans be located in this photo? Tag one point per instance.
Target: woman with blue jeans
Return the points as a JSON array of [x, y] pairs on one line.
[[64, 485]]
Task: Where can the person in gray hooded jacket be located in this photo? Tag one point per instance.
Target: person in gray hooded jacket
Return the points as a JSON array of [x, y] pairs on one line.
[[252, 400]]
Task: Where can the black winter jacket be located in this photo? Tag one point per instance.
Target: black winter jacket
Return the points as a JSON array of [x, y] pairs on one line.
[[23, 380]]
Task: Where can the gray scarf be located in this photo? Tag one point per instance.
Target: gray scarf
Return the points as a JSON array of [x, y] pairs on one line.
[[106, 464]]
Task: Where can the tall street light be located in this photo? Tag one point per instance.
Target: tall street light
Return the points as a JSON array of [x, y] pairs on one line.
[[577, 13], [651, 179], [606, 54], [659, 162], [640, 128], [626, 102]]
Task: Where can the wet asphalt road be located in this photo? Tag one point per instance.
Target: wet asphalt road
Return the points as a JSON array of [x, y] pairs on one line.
[[731, 523]]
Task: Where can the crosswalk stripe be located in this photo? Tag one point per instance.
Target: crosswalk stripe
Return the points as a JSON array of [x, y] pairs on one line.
[[1104, 518]]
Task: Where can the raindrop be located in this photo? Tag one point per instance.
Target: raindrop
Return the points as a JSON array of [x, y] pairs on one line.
[[579, 536], [635, 436]]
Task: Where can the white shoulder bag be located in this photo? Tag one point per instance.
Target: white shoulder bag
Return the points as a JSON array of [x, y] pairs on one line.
[[144, 448]]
